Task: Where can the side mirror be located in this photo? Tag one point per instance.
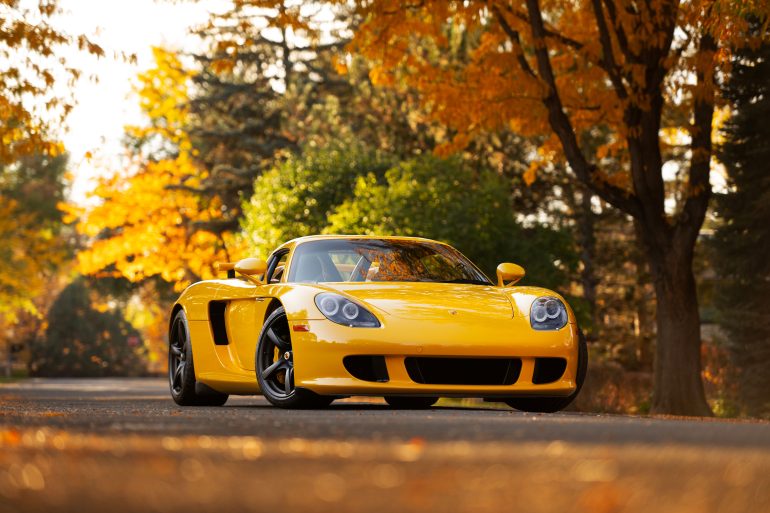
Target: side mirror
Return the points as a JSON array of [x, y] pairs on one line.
[[251, 268], [510, 273]]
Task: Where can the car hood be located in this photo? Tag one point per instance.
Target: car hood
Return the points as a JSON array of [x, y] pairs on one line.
[[431, 300]]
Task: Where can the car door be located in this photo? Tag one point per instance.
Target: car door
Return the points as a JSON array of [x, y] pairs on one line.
[[244, 316]]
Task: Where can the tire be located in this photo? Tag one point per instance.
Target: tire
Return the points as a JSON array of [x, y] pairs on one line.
[[181, 370], [410, 403], [554, 404], [274, 366]]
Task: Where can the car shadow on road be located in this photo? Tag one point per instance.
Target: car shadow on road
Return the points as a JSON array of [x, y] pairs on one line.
[[376, 407]]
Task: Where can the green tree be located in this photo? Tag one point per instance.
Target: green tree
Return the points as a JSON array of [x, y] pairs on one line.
[[297, 197], [742, 242], [445, 200], [33, 246], [85, 340], [239, 123], [351, 190]]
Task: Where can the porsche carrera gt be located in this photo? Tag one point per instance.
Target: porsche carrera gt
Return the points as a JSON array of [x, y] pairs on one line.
[[404, 318]]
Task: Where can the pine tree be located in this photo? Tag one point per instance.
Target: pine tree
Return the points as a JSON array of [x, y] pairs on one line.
[[742, 243], [83, 340], [252, 64]]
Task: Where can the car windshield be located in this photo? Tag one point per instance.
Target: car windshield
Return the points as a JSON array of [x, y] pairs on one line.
[[362, 260]]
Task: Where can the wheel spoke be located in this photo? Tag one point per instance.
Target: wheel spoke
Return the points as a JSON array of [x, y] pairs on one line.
[[178, 374], [175, 350], [287, 380], [275, 339], [271, 369], [181, 335]]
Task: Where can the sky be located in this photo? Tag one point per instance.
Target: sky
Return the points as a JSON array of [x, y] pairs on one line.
[[105, 106]]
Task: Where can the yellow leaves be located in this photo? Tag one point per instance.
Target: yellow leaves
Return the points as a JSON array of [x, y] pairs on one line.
[[143, 222], [163, 92], [27, 252], [71, 212]]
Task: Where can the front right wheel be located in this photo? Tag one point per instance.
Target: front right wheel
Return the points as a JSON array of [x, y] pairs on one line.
[[554, 404], [275, 366]]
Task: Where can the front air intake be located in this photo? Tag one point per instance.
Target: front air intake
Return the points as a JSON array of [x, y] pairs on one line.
[[463, 371], [367, 367], [548, 370]]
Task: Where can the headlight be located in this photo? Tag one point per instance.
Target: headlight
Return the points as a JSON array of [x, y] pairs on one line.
[[343, 311], [547, 313]]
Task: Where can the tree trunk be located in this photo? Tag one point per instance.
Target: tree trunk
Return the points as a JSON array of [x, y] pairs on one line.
[[669, 242], [587, 238], [9, 360], [645, 307], [678, 386]]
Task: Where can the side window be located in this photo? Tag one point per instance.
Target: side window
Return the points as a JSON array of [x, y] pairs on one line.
[[276, 267]]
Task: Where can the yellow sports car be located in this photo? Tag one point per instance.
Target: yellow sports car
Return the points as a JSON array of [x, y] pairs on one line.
[[405, 318]]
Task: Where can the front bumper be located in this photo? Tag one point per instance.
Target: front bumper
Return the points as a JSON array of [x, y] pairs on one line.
[[319, 353]]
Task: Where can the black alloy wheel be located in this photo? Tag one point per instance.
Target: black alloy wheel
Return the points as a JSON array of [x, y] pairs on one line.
[[275, 367], [181, 373]]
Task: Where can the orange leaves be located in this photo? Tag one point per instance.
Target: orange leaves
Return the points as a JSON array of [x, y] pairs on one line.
[[223, 66], [531, 173], [30, 104], [547, 155], [607, 62], [381, 76]]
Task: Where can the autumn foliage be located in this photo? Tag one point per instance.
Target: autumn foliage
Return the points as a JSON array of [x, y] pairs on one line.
[[144, 222], [630, 70], [574, 137]]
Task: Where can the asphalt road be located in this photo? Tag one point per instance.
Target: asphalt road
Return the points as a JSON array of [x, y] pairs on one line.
[[123, 445]]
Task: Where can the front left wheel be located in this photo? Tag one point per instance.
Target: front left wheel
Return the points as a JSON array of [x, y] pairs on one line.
[[275, 367], [181, 372]]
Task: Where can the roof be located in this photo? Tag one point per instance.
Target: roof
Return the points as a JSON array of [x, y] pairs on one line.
[[308, 238]]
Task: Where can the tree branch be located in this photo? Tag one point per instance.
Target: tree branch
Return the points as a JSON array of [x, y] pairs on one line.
[[608, 55], [551, 33], [619, 32], [562, 126], [216, 226], [516, 40]]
